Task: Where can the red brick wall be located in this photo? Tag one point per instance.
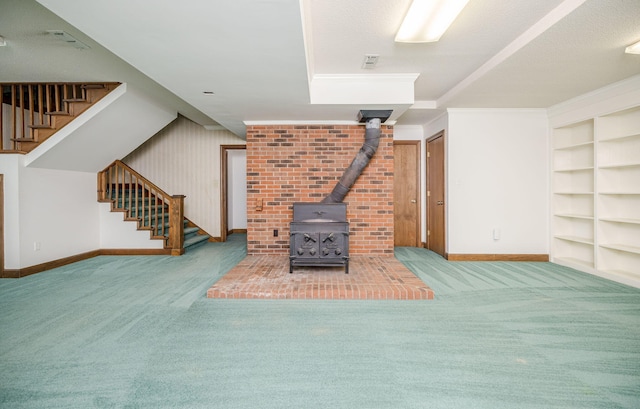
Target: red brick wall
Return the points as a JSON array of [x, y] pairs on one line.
[[303, 163]]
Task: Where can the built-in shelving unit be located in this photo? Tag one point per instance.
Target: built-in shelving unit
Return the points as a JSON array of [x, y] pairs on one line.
[[596, 194], [618, 160], [573, 193]]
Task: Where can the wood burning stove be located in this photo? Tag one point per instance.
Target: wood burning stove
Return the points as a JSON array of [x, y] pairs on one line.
[[319, 231], [319, 235]]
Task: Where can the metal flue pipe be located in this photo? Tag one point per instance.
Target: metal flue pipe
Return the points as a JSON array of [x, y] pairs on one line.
[[373, 120]]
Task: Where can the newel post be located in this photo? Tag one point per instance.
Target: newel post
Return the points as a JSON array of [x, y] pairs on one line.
[[176, 221], [102, 186]]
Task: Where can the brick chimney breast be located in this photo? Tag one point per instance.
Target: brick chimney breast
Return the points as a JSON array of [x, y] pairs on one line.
[[302, 163]]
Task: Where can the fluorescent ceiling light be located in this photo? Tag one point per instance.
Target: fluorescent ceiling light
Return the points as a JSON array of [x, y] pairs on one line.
[[427, 20], [633, 48]]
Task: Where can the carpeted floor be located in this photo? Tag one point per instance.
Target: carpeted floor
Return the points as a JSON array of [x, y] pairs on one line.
[[139, 332]]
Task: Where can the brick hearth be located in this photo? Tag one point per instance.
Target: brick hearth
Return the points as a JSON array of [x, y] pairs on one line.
[[370, 277]]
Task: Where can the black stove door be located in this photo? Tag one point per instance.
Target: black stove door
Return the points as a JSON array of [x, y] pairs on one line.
[[305, 245], [332, 245]]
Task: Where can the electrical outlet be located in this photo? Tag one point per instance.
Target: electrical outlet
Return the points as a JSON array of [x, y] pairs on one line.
[[36, 246], [275, 232]]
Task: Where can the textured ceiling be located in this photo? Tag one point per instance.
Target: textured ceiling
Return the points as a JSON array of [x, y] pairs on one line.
[[582, 52], [345, 31], [300, 60]]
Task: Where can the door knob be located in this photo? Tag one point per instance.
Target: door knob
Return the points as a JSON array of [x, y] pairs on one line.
[[439, 202], [413, 200]]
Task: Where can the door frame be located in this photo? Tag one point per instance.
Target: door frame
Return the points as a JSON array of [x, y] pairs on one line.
[[439, 134], [418, 199], [224, 188]]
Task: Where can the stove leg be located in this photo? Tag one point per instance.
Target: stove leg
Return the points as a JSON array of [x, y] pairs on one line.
[[346, 267], [290, 267]]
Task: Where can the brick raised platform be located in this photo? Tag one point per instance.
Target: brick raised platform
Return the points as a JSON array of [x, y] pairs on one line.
[[375, 278]]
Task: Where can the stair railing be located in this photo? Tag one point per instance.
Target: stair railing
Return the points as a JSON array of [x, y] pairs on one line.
[[27, 107], [155, 210]]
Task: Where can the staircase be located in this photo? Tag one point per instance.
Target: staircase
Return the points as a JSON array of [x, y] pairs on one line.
[[32, 112], [154, 217], [193, 235], [150, 207]]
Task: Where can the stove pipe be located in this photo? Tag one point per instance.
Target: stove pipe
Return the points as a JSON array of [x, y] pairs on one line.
[[372, 119]]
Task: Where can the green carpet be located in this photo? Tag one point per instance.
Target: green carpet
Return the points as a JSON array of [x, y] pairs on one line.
[[138, 332]]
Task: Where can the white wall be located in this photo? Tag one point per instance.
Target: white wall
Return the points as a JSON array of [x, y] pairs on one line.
[[58, 213], [184, 158], [9, 168], [116, 233], [109, 129], [440, 123], [497, 164], [237, 189]]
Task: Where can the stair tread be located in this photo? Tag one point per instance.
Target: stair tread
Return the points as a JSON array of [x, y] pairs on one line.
[[133, 199], [195, 240], [153, 217], [23, 140], [147, 206], [57, 113], [189, 230], [40, 126]]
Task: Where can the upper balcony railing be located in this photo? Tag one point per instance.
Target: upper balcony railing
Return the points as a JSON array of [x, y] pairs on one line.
[[32, 112]]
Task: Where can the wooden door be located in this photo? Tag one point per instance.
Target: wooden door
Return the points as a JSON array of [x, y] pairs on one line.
[[436, 194], [406, 193]]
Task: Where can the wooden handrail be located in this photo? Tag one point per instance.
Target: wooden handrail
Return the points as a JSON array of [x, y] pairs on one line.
[[29, 109], [152, 207]]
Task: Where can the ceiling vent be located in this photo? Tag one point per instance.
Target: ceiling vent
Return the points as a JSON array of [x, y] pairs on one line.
[[370, 61], [68, 38]]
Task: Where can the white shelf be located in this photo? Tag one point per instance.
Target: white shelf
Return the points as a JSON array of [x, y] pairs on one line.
[[620, 193], [577, 159], [619, 166], [622, 247], [576, 239], [620, 220], [621, 138], [621, 261], [619, 208], [574, 216], [585, 168], [578, 145], [573, 261], [574, 135], [627, 276], [619, 125]]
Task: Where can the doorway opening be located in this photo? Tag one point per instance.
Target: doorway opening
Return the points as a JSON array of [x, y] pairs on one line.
[[233, 190]]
